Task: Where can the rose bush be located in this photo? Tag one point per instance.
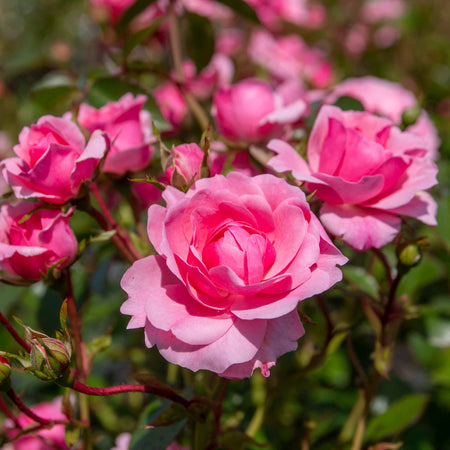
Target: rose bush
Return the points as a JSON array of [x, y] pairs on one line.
[[53, 161], [236, 255], [32, 239], [366, 171], [129, 129]]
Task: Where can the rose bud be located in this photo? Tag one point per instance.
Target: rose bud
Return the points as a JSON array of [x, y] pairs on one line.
[[33, 239], [49, 357], [5, 372], [184, 165]]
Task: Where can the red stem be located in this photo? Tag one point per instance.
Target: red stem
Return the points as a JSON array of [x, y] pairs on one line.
[[9, 414], [80, 351], [113, 390], [18, 402], [14, 333], [113, 224], [118, 242]]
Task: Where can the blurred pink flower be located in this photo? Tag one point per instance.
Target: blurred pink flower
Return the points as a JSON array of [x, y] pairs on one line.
[[289, 57], [299, 12], [172, 103], [382, 10], [129, 129], [44, 439], [251, 112], [367, 172], [236, 255]]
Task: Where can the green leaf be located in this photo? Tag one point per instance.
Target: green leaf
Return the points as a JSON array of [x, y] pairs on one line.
[[235, 440], [136, 38], [98, 344], [154, 438], [199, 40], [103, 236], [135, 9], [170, 416], [242, 9], [400, 415], [347, 103], [110, 89], [72, 434], [362, 279]]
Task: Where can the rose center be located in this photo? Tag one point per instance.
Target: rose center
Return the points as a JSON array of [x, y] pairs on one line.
[[245, 251]]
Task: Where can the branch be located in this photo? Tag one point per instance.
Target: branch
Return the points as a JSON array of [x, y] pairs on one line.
[[114, 390], [5, 322]]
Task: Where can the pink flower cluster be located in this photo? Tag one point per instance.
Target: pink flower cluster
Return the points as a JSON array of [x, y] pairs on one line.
[[55, 165]]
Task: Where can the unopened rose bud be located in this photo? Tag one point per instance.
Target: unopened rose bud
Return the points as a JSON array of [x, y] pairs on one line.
[[50, 358], [58, 355], [184, 165], [5, 372], [409, 255], [410, 116]]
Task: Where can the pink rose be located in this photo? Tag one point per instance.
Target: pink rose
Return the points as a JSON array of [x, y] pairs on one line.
[[30, 245], [217, 73], [129, 129], [144, 194], [122, 442], [289, 57], [251, 112], [53, 161], [184, 164], [236, 255], [381, 10], [45, 438], [391, 100], [366, 171], [299, 12], [172, 104]]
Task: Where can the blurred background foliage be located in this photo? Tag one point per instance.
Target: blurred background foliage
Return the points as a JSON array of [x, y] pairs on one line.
[[50, 51]]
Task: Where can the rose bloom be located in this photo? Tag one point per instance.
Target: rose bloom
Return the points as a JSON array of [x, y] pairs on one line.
[[375, 11], [299, 12], [236, 255], [45, 438], [391, 100], [129, 129], [289, 57], [33, 238], [251, 112], [53, 161], [172, 104], [366, 171]]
